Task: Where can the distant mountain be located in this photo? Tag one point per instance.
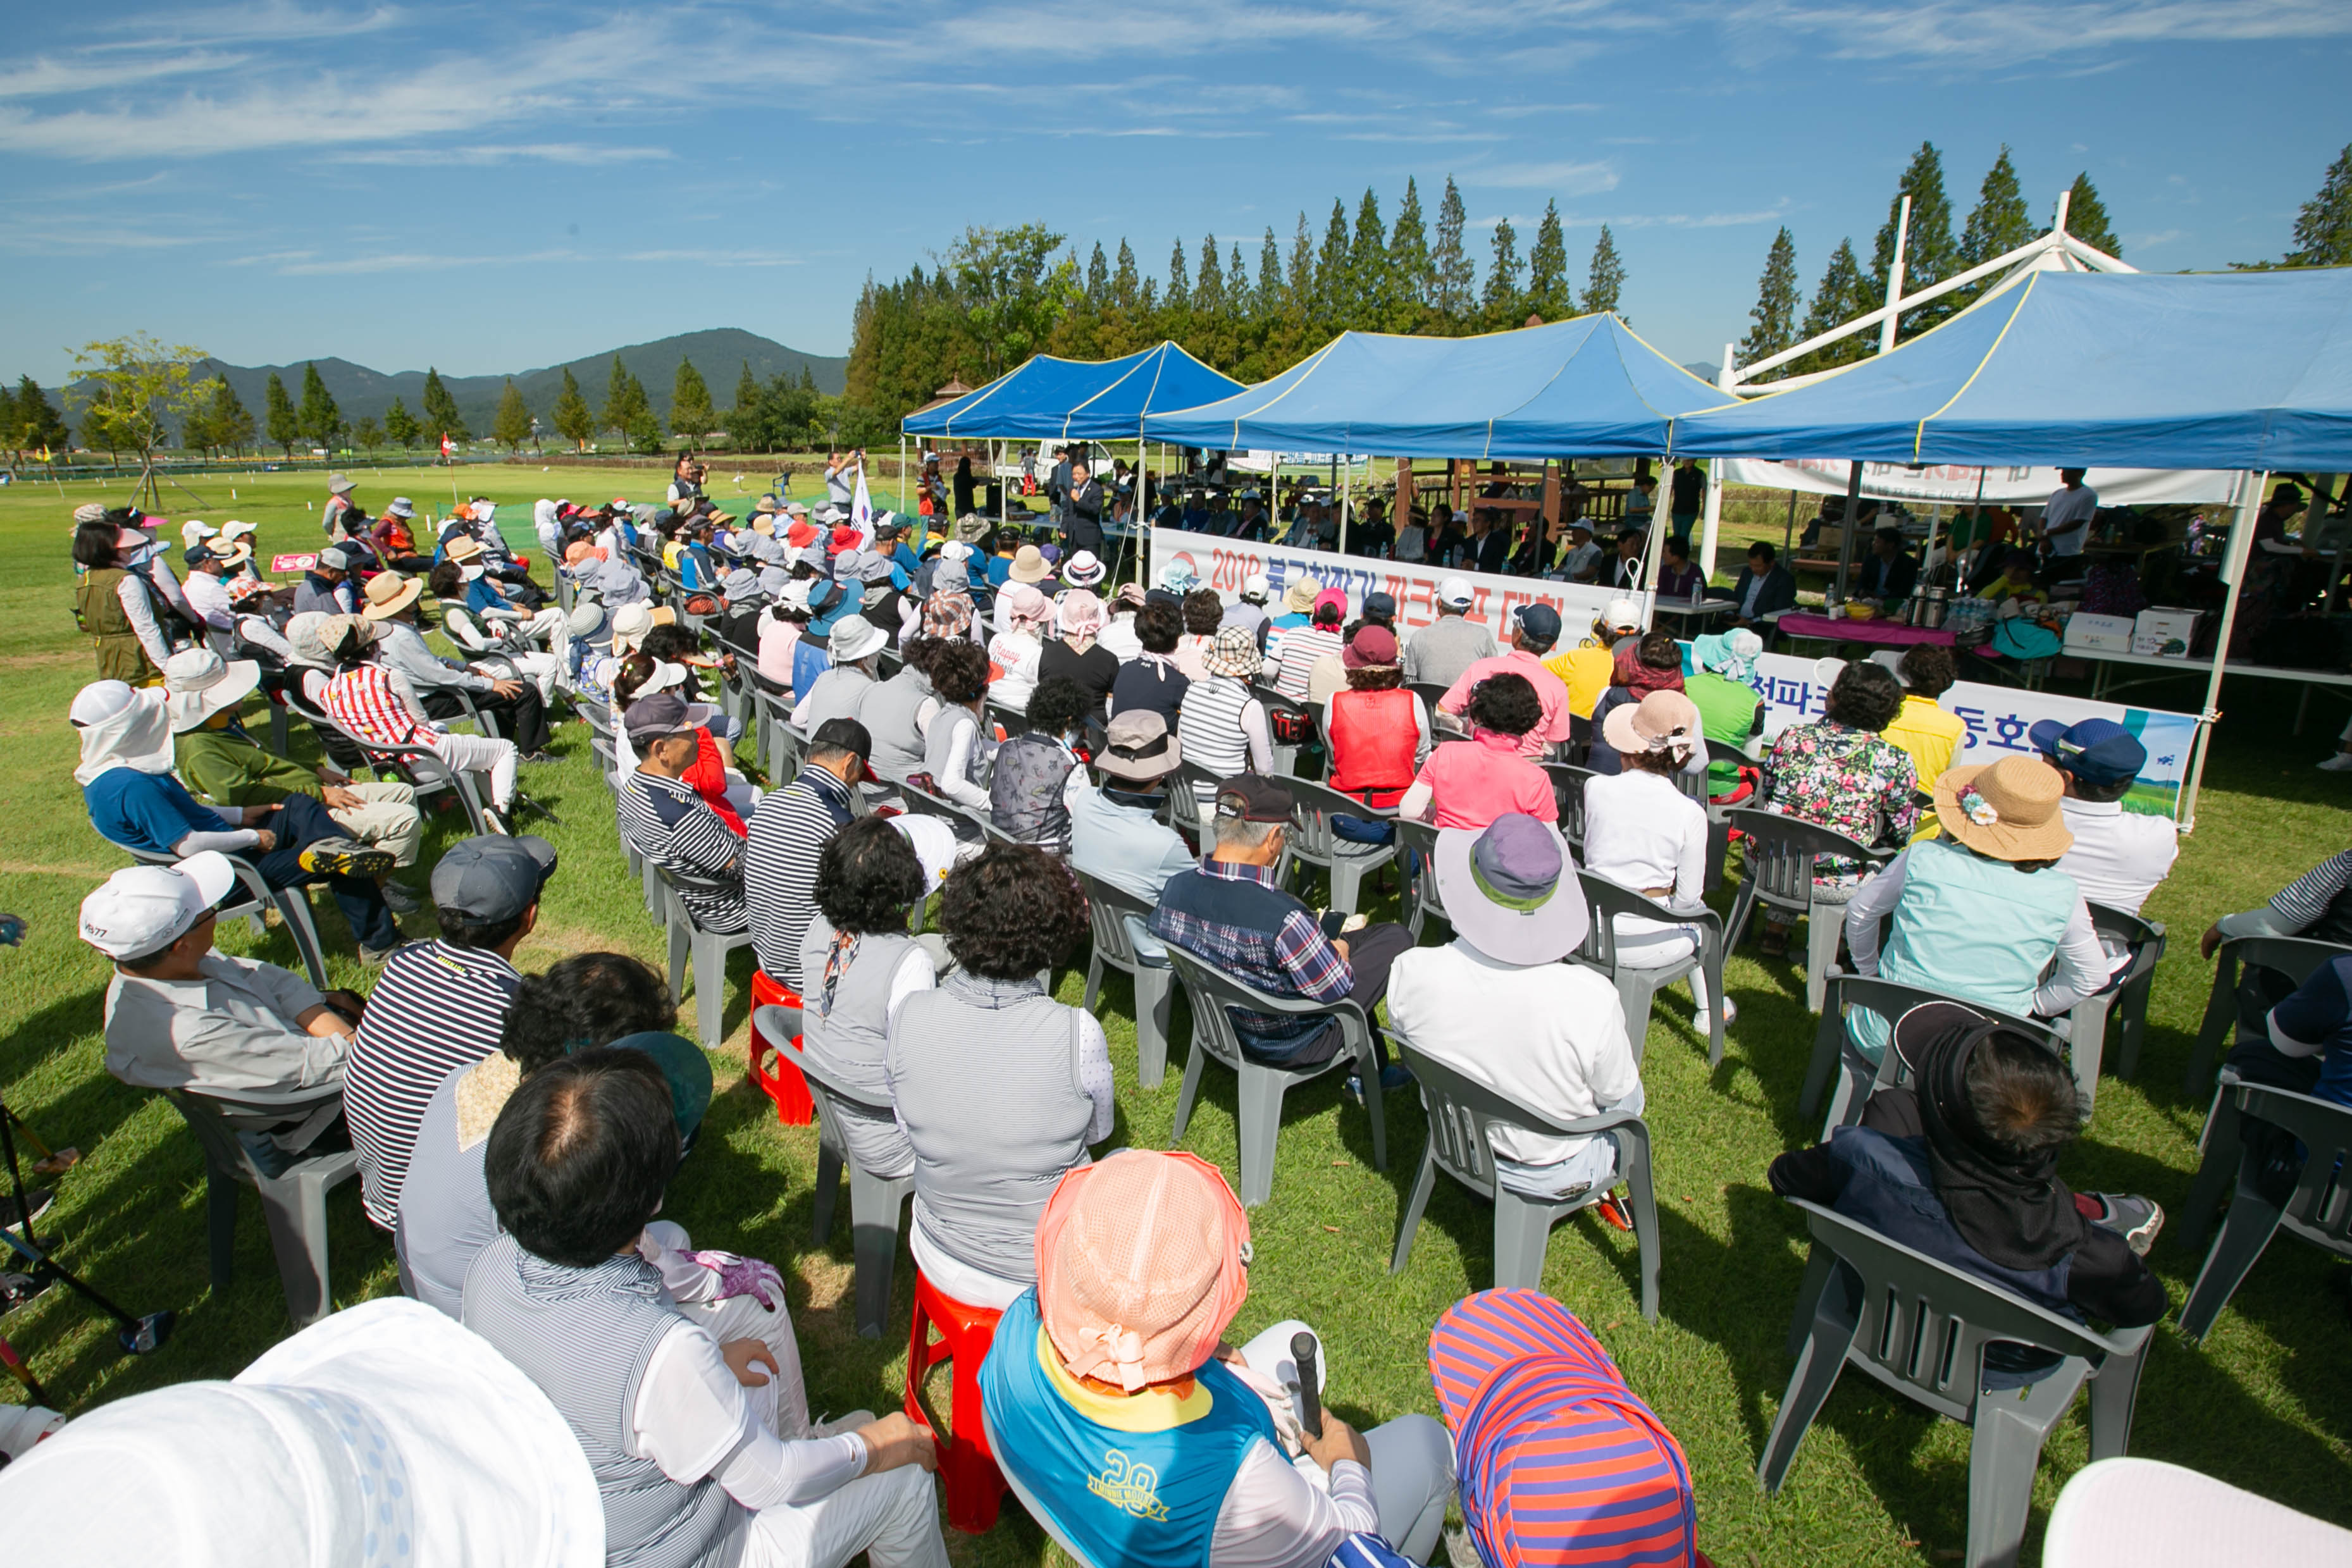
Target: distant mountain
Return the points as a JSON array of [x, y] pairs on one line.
[[719, 354], [1704, 371]]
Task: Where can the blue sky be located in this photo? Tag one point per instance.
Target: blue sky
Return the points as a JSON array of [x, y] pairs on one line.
[[497, 187]]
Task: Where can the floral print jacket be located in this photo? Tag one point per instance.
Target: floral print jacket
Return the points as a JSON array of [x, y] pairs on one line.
[[1860, 784]]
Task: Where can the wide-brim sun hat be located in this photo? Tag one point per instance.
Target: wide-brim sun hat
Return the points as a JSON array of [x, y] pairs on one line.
[[1083, 570], [1298, 599], [1511, 889], [465, 548], [389, 593], [1029, 565], [852, 638], [1233, 652], [1140, 748], [1080, 613], [1143, 1262], [2008, 809], [198, 683], [1657, 722]]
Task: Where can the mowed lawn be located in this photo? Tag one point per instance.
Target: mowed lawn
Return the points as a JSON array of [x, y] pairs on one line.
[[2265, 1403]]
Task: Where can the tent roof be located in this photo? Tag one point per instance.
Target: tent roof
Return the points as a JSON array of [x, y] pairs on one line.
[[2249, 371], [1584, 387], [1051, 398]]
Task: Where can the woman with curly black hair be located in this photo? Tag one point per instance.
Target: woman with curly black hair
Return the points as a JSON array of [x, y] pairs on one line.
[[857, 965], [1029, 793], [1469, 783], [1842, 772], [958, 746], [1001, 1088]]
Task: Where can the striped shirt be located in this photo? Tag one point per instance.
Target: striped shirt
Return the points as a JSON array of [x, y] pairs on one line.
[[788, 831], [364, 701], [2302, 902], [1301, 647], [438, 1007], [671, 825], [1212, 731]]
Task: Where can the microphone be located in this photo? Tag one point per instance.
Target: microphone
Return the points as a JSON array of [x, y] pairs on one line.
[[1310, 1398]]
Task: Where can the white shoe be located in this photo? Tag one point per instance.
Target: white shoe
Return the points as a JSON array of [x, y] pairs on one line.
[[1703, 1021], [2339, 763]]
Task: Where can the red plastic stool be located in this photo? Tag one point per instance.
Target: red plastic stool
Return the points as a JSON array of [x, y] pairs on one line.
[[783, 1080], [973, 1483]]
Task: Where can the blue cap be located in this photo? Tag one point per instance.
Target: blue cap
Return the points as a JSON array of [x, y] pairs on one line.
[[2097, 750], [1380, 604], [1541, 621]]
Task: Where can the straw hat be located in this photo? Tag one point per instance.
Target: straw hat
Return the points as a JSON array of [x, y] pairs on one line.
[[2008, 810], [389, 593], [1141, 1262], [465, 548], [198, 683], [1029, 565], [1298, 599]]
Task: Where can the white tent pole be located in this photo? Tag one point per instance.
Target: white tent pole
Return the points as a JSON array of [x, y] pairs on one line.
[[2233, 572], [1846, 525], [1895, 276], [902, 468], [1711, 522], [1347, 495]]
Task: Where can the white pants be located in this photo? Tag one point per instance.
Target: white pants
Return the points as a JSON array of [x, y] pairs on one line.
[[475, 754], [1412, 1456], [893, 1518], [386, 817], [1646, 943]]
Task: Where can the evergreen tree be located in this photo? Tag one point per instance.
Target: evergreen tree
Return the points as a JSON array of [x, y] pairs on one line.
[[1500, 302], [622, 398], [1604, 281], [1268, 302], [401, 426], [1211, 337], [691, 413], [1097, 278], [1371, 288], [228, 426], [510, 425], [195, 425], [573, 422], [1841, 295], [1209, 291], [2323, 229], [40, 424], [2086, 218], [2000, 223], [277, 415], [746, 421], [1929, 252], [1548, 294], [366, 434], [1124, 293], [12, 426], [1334, 300], [1179, 298], [1302, 273], [1409, 262], [1773, 321], [441, 416], [318, 421], [1453, 275]]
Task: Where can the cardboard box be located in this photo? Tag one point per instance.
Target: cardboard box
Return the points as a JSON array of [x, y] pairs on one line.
[[2099, 633], [2164, 633]]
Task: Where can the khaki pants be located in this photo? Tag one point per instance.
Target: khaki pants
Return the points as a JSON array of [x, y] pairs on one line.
[[386, 817]]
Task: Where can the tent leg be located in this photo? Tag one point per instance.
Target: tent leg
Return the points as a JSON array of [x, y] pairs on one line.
[[2242, 538], [1845, 529], [1711, 521]]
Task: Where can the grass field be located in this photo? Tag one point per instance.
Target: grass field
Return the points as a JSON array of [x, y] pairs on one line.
[[2266, 1404]]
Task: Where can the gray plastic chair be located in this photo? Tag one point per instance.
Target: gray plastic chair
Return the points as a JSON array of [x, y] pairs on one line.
[[418, 767], [1261, 1087], [1856, 1076], [1012, 720], [292, 904], [2126, 1006], [931, 803], [1431, 694], [1184, 813], [1920, 1327], [293, 1203], [709, 950], [1286, 756], [1313, 843], [1108, 909], [1778, 873], [1567, 789], [1460, 1114], [874, 1201], [1421, 839], [2319, 1210], [1029, 1500], [2293, 956], [1636, 987]]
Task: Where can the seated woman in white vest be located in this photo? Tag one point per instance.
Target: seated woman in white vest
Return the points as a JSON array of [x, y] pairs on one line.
[[1980, 913], [684, 1433], [1113, 1399], [1001, 1088], [858, 966]]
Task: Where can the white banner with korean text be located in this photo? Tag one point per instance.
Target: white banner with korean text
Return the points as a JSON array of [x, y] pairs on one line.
[[2007, 486], [1225, 564], [1999, 719]]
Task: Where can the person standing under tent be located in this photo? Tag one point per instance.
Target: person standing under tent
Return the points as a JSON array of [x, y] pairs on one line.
[[2067, 517]]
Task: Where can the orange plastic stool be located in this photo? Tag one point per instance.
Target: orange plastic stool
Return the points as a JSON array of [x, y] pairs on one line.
[[783, 1080], [973, 1483]]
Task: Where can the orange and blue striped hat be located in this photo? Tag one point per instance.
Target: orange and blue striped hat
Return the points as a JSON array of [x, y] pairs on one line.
[[1557, 1461]]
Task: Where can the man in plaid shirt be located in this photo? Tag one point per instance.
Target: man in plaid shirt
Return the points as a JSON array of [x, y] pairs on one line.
[[1230, 913]]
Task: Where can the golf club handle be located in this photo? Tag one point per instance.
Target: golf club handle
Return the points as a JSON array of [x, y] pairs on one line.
[[1310, 1395]]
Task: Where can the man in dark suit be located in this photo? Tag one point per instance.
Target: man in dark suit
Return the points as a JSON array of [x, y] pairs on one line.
[[1493, 540], [1624, 573], [1082, 512], [1890, 571], [1764, 586]]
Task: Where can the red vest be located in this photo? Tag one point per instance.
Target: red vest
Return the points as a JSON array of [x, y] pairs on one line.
[[1373, 738]]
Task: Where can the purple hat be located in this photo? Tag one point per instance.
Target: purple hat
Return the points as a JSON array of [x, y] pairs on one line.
[[1511, 890]]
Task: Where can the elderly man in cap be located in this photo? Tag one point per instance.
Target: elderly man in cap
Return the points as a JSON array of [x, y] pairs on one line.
[[441, 1005], [1581, 561], [1113, 1399], [2118, 856], [1116, 832], [1441, 651], [788, 835], [1587, 669], [326, 586], [134, 802], [181, 1016], [1230, 911], [400, 646], [667, 821], [493, 604], [211, 596], [1534, 629], [1498, 1005], [227, 766]]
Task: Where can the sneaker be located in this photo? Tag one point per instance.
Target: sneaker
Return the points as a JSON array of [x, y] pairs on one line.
[[539, 757], [344, 857], [374, 957], [2135, 1220], [1395, 1077], [2339, 763], [400, 898], [37, 1199], [1703, 1021]]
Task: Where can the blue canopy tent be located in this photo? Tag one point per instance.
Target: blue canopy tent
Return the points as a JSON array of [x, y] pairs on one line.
[[1050, 399], [2235, 370]]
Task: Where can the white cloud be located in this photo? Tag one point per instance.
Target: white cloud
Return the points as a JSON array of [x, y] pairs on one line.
[[43, 76], [1994, 32], [1567, 179], [575, 152]]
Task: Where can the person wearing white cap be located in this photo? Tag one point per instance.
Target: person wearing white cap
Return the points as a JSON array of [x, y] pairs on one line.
[[856, 649], [1587, 669], [1498, 1006], [227, 766], [1441, 651], [181, 1016], [1249, 612]]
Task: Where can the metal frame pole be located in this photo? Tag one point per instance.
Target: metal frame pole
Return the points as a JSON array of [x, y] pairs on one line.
[[2233, 572], [1845, 529]]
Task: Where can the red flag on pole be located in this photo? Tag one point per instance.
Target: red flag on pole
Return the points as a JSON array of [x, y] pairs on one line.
[[448, 448]]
